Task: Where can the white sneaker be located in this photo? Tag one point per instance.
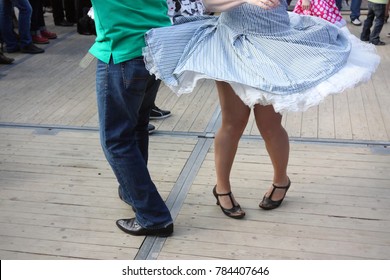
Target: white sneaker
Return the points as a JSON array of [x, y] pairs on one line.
[[356, 22]]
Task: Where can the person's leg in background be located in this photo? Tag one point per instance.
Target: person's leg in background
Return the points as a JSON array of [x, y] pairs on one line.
[[39, 32], [379, 11], [366, 31], [339, 4], [4, 59], [355, 12], [58, 12]]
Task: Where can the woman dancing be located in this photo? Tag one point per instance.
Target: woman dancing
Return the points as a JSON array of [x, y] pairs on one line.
[[262, 58]]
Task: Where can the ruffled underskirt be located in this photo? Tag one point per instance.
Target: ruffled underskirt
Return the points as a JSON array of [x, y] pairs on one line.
[[269, 57]]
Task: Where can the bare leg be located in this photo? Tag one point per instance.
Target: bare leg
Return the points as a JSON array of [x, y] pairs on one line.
[[235, 115], [277, 145]]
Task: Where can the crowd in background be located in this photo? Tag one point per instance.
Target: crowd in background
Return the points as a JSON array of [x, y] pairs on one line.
[[24, 30], [23, 26]]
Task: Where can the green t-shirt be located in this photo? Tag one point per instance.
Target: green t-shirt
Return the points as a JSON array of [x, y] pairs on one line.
[[121, 26]]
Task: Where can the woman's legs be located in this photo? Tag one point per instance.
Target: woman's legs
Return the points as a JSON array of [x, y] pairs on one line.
[[235, 115], [277, 145]]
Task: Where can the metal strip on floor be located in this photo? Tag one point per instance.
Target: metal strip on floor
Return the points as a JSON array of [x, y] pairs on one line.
[[152, 245]]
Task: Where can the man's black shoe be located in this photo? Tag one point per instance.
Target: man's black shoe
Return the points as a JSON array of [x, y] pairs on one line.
[[32, 49], [5, 60], [131, 226], [63, 22]]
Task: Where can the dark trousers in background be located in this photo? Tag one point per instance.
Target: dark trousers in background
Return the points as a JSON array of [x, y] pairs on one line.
[[80, 5], [37, 20], [376, 17], [61, 6]]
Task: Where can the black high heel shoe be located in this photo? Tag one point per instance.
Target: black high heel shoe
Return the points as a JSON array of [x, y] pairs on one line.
[[268, 204], [235, 212]]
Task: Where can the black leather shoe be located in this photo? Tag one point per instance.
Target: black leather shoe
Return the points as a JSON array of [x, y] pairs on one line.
[[131, 226], [5, 60], [63, 23], [32, 49]]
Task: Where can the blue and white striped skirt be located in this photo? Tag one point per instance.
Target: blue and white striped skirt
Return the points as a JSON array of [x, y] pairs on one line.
[[268, 56]]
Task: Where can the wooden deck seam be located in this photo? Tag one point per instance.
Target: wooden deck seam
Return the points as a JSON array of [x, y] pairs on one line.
[[208, 133], [152, 246]]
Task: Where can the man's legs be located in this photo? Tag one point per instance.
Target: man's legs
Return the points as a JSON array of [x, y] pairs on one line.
[[125, 93]]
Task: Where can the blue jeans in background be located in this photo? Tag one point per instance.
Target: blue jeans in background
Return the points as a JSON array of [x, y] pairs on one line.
[[339, 4], [125, 94], [6, 24], [355, 9]]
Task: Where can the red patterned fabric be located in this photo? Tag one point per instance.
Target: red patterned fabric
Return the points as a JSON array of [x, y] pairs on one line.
[[325, 9]]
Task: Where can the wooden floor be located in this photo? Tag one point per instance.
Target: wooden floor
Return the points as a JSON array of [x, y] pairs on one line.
[[58, 195]]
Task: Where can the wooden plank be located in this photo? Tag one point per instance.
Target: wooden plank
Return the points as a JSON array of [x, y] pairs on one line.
[[209, 105], [293, 124], [374, 116], [193, 250], [342, 117], [310, 123], [358, 117], [211, 242], [182, 104], [53, 249], [191, 114], [327, 112], [381, 84]]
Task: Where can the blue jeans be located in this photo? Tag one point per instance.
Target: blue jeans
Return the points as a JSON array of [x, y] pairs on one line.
[[6, 23], [125, 94], [339, 4], [355, 9], [377, 12]]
